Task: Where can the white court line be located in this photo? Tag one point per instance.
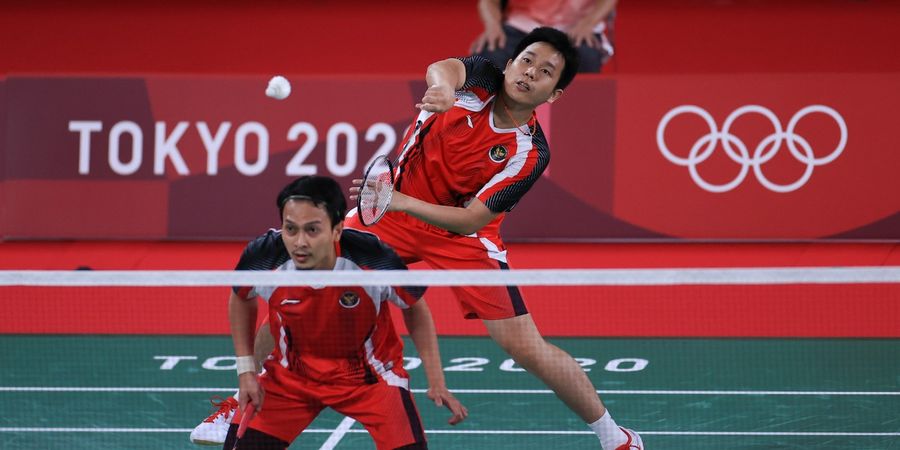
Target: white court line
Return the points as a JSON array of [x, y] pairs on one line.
[[338, 434], [489, 432], [469, 391]]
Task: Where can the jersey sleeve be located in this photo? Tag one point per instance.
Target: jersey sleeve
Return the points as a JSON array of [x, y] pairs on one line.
[[507, 187], [483, 78], [266, 252]]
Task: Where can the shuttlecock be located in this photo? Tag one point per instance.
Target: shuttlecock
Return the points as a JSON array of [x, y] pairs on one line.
[[279, 87]]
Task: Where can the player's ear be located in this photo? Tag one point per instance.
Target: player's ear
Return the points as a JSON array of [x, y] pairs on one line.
[[554, 95], [336, 232]]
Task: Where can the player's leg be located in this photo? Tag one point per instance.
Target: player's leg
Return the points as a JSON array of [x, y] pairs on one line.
[[387, 412], [289, 407], [504, 313], [214, 428], [519, 337]]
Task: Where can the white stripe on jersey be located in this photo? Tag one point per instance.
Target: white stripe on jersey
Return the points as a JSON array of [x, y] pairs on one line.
[[282, 343], [421, 119], [493, 251], [469, 101], [515, 164], [388, 375]]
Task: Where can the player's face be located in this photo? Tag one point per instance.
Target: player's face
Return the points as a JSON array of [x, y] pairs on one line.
[[531, 77], [308, 235]]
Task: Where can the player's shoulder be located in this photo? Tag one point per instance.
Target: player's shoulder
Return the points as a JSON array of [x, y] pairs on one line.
[[368, 251], [265, 252], [482, 76], [479, 62], [266, 241]]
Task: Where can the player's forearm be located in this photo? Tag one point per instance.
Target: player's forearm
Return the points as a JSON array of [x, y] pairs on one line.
[[242, 317], [490, 12], [463, 221], [422, 332], [449, 73]]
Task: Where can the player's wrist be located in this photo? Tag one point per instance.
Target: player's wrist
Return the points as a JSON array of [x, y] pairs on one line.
[[245, 364]]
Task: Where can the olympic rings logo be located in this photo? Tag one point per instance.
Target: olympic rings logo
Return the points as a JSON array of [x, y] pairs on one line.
[[738, 152]]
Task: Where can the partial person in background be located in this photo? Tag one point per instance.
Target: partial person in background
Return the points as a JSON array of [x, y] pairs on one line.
[[337, 347], [507, 22]]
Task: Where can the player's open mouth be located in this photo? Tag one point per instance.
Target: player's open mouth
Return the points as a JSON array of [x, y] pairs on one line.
[[301, 257], [523, 85]]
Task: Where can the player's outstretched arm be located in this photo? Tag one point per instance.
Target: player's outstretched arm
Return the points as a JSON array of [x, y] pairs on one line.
[[421, 329], [458, 220]]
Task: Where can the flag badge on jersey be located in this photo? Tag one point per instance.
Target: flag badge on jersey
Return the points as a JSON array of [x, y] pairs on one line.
[[498, 153], [349, 299]]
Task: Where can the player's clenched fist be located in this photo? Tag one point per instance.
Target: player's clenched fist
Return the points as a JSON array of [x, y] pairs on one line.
[[438, 98]]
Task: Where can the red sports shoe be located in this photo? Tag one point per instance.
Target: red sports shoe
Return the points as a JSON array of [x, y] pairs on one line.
[[213, 429], [634, 441]]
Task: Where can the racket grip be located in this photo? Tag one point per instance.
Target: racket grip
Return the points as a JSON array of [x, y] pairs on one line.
[[246, 415]]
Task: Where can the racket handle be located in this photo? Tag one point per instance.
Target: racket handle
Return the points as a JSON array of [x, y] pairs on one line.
[[246, 414]]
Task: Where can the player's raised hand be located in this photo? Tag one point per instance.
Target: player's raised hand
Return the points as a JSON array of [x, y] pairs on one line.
[[442, 397], [438, 98]]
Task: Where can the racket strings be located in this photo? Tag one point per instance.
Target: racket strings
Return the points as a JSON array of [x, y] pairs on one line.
[[376, 191]]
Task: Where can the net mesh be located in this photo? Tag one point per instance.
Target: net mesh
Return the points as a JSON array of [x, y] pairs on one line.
[[140, 353]]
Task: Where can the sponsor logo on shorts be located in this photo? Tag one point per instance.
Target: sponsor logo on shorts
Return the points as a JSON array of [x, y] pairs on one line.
[[498, 153], [349, 299]]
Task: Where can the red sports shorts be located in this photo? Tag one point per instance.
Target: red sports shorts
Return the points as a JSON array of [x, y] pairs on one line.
[[291, 403], [416, 241]]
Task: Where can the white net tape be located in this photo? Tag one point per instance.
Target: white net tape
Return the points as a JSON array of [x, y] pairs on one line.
[[560, 277]]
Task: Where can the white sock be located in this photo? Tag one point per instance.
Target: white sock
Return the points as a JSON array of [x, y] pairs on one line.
[[609, 433]]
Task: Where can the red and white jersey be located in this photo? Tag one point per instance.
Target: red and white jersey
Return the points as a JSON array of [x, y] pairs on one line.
[[452, 157], [336, 335]]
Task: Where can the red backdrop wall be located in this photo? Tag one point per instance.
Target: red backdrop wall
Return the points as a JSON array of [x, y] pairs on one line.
[[402, 36]]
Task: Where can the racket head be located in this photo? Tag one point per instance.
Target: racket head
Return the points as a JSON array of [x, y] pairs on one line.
[[246, 415], [376, 191]]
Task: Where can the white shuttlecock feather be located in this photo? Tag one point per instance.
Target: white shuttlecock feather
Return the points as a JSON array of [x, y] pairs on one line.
[[279, 88]]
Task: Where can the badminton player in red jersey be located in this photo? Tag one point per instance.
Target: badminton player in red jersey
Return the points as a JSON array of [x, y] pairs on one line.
[[334, 346], [475, 149]]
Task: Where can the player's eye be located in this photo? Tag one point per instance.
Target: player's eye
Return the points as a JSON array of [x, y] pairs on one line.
[[546, 72]]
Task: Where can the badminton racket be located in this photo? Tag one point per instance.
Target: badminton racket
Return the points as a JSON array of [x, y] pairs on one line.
[[376, 191], [245, 419]]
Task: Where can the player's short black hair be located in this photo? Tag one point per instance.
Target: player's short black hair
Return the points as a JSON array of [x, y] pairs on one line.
[[560, 41], [322, 191]]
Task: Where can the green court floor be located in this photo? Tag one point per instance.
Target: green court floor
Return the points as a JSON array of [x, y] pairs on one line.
[[136, 392]]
